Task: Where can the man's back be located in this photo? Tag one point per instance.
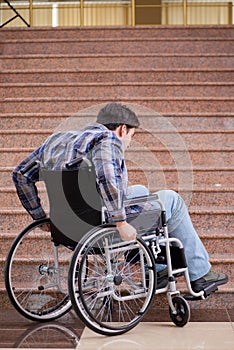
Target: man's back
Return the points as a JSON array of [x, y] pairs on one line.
[[62, 147]]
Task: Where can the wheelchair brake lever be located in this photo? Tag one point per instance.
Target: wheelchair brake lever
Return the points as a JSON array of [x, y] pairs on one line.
[[155, 247]]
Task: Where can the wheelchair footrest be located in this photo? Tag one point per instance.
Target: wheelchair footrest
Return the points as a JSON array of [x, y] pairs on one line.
[[190, 297], [210, 289], [207, 291]]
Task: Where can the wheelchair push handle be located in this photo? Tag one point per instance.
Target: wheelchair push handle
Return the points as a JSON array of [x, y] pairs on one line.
[[78, 161], [28, 167], [68, 165]]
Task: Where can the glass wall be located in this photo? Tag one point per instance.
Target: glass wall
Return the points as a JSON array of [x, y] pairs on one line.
[[117, 12]]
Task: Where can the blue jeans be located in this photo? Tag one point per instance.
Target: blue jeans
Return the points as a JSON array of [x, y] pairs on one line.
[[181, 227]]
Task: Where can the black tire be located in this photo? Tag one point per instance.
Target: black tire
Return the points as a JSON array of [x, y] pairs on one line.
[[181, 318], [37, 287], [111, 293]]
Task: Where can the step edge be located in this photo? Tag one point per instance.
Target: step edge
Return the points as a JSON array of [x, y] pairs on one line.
[[132, 98], [190, 149], [116, 39], [229, 210], [114, 70], [167, 115], [163, 169], [108, 84], [93, 55], [172, 130]]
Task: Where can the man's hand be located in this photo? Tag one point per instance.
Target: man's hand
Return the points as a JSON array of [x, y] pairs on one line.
[[127, 232]]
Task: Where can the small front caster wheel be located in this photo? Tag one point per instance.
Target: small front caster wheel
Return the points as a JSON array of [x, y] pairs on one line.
[[182, 315]]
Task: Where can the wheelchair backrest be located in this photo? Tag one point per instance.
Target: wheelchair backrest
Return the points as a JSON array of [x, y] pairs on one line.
[[75, 204]]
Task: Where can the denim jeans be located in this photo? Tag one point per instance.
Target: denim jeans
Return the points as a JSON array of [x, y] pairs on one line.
[[181, 227]]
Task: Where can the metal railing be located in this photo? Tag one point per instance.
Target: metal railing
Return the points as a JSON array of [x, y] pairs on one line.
[[116, 12], [16, 14]]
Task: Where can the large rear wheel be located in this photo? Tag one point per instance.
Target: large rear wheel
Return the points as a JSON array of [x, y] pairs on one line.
[[111, 282], [36, 274]]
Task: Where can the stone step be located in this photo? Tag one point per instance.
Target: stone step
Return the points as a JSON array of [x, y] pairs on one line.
[[219, 158], [118, 45], [6, 240], [216, 241], [32, 269], [219, 264], [138, 89], [215, 195], [160, 105], [143, 138], [197, 157], [176, 178], [88, 63], [118, 32], [217, 307], [118, 75], [157, 178], [152, 139], [209, 198], [181, 121], [206, 217], [217, 218]]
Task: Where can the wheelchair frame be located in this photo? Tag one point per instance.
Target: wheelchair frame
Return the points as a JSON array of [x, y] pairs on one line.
[[114, 258]]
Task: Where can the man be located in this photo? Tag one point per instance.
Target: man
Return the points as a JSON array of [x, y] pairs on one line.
[[105, 142]]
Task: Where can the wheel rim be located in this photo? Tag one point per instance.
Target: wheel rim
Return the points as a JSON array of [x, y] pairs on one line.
[[112, 296]]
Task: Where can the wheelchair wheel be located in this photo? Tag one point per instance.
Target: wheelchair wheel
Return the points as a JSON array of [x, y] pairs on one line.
[[111, 282], [182, 316], [36, 273]]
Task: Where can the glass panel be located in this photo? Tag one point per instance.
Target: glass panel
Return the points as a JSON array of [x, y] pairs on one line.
[[119, 12]]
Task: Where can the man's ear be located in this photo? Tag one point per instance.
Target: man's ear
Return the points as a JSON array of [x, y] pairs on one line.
[[122, 130]]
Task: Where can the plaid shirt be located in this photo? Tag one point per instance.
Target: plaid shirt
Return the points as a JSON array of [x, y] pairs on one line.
[[95, 141]]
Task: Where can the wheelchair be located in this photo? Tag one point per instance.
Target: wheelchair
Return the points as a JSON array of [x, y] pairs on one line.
[[82, 261]]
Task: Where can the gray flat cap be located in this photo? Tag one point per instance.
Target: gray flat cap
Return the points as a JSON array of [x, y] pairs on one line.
[[115, 113]]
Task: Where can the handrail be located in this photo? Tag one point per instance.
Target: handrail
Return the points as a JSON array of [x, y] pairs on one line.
[[17, 15]]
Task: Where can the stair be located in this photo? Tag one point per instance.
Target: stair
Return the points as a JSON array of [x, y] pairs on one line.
[[183, 74]]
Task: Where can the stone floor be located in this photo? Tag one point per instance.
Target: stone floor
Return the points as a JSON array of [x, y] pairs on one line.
[[69, 333], [165, 336]]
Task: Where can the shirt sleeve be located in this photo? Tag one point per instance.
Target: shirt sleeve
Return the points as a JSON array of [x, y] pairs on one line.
[[109, 164], [24, 176]]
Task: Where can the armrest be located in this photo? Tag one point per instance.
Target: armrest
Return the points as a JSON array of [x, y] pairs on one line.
[[140, 200]]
